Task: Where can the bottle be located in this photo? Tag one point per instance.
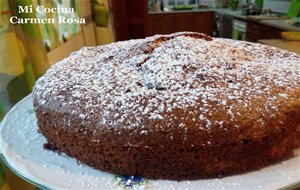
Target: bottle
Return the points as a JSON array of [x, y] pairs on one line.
[[161, 5]]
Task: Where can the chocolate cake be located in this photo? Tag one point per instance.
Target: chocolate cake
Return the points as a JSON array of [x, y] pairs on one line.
[[179, 106]]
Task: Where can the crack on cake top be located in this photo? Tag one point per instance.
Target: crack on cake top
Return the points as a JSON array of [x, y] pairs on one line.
[[151, 45]]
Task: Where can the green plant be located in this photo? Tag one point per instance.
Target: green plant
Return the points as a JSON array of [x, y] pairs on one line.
[[100, 12], [233, 4]]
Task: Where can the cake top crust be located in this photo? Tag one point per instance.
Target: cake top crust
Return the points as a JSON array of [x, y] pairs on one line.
[[183, 80]]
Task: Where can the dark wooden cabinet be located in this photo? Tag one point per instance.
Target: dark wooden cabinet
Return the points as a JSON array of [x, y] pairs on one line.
[[256, 31], [163, 24], [167, 23], [183, 22], [202, 22], [129, 24], [130, 19], [226, 26]]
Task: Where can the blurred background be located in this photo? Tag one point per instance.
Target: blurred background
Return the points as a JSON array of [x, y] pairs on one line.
[[28, 50]]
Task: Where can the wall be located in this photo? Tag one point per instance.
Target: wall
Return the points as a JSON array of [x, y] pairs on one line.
[[281, 6]]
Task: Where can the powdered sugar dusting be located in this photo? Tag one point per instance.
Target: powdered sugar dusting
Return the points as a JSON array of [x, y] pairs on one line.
[[173, 79]]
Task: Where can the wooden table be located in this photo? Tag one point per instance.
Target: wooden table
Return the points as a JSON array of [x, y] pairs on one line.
[[293, 46]]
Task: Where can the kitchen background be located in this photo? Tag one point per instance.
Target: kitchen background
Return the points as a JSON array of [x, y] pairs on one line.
[[27, 51]]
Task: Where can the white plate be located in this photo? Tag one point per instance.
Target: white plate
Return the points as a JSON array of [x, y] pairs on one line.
[[22, 150]]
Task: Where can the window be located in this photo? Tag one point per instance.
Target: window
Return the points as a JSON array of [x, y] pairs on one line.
[[172, 3], [180, 2]]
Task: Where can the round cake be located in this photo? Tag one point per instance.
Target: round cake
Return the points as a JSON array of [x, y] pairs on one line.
[[179, 106]]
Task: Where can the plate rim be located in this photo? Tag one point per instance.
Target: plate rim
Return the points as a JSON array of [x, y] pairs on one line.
[[5, 160], [23, 176]]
